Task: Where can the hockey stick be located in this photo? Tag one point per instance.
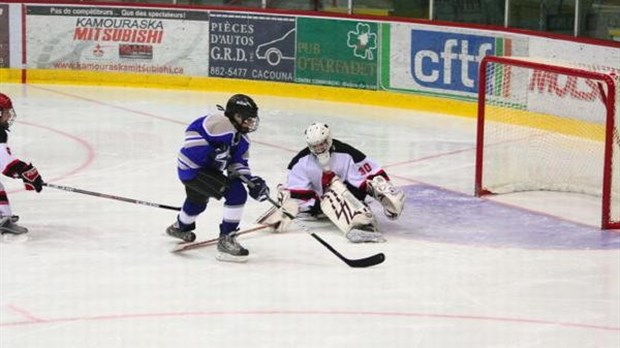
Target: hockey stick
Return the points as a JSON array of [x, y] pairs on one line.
[[195, 245], [355, 263], [103, 195]]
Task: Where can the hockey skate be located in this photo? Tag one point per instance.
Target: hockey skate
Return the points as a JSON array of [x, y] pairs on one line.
[[184, 233], [365, 234], [230, 250], [8, 225]]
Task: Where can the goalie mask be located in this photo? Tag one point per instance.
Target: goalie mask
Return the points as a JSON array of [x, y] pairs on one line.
[[7, 113], [242, 112], [319, 140]]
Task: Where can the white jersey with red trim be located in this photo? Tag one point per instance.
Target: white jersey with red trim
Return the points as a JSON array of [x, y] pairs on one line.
[[5, 153], [5, 159], [349, 164]]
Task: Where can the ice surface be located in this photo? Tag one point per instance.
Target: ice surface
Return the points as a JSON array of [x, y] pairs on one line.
[[527, 270]]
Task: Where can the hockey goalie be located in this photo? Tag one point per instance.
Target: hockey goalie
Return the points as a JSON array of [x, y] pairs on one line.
[[331, 179]]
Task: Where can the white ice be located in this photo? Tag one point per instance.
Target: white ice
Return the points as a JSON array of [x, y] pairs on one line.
[[98, 272]]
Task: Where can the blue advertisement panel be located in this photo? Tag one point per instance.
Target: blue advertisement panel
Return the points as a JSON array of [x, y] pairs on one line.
[[253, 47], [448, 61]]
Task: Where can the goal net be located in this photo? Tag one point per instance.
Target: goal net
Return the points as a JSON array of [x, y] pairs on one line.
[[549, 126]]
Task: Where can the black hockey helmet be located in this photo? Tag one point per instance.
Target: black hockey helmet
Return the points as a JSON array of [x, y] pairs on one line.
[[246, 109]]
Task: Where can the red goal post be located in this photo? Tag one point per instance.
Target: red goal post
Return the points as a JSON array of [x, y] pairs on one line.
[[549, 126]]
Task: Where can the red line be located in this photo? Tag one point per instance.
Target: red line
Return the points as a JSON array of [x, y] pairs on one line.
[[31, 318], [95, 101], [454, 152], [90, 157], [36, 321]]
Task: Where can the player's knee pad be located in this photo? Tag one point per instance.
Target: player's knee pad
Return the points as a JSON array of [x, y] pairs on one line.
[[236, 193], [194, 208]]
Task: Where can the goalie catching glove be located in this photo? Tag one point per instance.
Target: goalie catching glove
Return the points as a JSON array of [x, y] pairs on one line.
[[27, 172], [281, 216], [392, 198]]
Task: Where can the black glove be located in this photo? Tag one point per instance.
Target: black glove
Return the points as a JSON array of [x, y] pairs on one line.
[[259, 189], [27, 172]]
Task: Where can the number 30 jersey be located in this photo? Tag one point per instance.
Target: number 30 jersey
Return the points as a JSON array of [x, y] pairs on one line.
[[348, 163]]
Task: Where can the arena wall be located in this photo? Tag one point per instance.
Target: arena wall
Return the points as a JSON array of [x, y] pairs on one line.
[[418, 65]]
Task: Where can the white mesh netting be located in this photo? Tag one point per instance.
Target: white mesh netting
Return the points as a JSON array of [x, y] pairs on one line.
[[545, 128]]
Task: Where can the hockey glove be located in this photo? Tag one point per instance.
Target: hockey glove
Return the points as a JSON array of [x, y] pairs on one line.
[[259, 189], [32, 179], [27, 172]]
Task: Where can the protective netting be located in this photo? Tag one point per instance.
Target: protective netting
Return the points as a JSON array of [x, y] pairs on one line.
[[545, 125]]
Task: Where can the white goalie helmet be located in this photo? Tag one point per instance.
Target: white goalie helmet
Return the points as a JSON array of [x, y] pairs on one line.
[[318, 137], [319, 140]]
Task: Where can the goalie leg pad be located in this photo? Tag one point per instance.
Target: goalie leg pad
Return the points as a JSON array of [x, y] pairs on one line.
[[392, 198], [346, 211], [283, 216], [209, 183]]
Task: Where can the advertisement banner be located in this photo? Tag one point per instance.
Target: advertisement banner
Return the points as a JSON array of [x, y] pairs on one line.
[[139, 40], [581, 98], [442, 62], [337, 53], [4, 36], [253, 47]]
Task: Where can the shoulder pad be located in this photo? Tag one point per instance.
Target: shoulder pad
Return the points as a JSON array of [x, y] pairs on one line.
[[341, 147], [217, 125], [301, 154]]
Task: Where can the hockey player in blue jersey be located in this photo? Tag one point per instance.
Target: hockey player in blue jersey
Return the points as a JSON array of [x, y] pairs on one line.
[[214, 155]]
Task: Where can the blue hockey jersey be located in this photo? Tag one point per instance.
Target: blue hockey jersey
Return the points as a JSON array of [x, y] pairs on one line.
[[212, 141]]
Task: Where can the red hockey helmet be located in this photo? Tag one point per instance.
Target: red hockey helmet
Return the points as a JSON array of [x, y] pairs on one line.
[[7, 113], [5, 102]]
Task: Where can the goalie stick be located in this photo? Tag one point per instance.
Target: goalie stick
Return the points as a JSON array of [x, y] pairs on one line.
[[355, 263], [103, 195], [181, 247]]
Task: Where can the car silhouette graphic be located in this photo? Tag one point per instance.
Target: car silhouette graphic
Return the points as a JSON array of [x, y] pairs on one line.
[[276, 50]]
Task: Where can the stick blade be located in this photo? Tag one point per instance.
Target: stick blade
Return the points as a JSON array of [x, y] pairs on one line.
[[183, 246], [367, 261]]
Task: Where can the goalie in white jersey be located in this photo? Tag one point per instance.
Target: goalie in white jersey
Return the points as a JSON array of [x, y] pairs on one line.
[[12, 167], [333, 178]]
